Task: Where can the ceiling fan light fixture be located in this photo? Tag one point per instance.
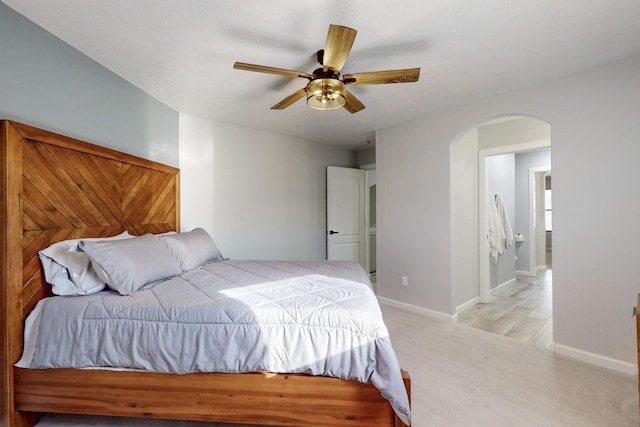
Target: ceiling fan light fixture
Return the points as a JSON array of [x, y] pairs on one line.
[[326, 94], [325, 89]]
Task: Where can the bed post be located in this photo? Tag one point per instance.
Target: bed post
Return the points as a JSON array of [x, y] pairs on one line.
[[11, 300], [4, 372]]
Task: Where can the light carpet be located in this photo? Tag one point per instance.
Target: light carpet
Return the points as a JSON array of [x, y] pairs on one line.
[[467, 377]]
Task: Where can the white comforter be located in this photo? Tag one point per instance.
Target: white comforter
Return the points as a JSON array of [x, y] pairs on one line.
[[320, 318]]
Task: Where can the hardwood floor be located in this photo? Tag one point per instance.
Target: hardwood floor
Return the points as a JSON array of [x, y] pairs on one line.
[[521, 310]]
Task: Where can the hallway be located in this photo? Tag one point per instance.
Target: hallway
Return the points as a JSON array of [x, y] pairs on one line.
[[521, 311]]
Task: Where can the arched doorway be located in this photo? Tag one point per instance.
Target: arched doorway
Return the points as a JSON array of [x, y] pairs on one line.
[[497, 158]]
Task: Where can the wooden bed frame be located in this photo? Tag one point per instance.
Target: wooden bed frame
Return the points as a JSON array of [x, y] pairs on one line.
[[54, 188]]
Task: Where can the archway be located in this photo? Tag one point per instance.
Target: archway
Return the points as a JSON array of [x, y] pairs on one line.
[[473, 155]]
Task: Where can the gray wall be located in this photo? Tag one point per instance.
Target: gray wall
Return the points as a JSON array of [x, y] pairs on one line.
[[366, 156], [46, 83]]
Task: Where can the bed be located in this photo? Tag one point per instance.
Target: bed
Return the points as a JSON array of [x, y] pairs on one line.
[[56, 188]]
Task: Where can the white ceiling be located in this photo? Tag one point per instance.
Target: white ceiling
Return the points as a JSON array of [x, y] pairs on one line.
[[182, 52]]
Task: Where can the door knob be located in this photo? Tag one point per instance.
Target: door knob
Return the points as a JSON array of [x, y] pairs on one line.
[[333, 232]]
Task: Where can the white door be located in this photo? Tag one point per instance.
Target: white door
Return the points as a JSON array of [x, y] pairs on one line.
[[346, 214]]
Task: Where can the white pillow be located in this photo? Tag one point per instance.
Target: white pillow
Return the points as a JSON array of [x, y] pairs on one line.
[[191, 249], [128, 265], [68, 270]]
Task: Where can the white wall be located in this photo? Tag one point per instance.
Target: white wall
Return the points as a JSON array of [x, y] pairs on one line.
[[595, 127], [512, 132], [260, 195], [464, 220]]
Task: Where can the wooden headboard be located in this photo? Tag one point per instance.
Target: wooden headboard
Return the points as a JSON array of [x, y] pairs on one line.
[[55, 188]]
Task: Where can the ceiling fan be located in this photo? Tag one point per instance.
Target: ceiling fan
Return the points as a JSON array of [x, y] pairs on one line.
[[326, 90]]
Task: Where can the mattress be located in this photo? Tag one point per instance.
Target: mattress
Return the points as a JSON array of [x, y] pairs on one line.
[[320, 318]]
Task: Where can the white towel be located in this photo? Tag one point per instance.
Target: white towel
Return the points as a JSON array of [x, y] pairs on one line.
[[504, 220], [495, 232]]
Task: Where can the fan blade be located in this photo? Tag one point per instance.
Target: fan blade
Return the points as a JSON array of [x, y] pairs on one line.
[[270, 70], [352, 104], [337, 47], [289, 100], [408, 75]]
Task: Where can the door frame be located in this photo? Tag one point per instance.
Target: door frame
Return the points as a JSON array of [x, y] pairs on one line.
[[483, 245], [533, 212], [367, 214]]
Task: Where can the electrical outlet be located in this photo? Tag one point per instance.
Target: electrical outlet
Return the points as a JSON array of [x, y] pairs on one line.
[[405, 281]]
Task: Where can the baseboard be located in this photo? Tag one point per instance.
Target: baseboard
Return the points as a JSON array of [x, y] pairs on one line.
[[507, 283], [467, 305], [524, 273], [419, 310], [563, 350], [596, 359]]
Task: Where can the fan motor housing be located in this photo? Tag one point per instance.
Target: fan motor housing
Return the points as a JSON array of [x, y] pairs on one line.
[[319, 73]]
